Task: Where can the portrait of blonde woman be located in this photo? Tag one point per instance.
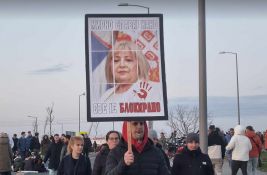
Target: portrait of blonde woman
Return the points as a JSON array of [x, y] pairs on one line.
[[127, 72]]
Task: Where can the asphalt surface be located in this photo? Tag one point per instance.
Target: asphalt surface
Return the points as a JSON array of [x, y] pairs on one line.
[[227, 170]]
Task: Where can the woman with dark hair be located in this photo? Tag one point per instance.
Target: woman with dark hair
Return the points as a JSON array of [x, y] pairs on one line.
[[112, 138], [75, 163], [44, 145]]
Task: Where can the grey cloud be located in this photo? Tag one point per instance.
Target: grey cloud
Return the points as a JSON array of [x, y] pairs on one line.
[[52, 69], [257, 88]]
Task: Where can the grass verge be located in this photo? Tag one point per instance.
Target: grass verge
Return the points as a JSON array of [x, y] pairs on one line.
[[264, 162]]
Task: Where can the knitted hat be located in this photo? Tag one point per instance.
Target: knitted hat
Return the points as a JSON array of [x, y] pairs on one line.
[[152, 134], [192, 137]]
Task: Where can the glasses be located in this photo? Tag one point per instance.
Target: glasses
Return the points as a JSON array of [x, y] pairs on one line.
[[114, 138], [136, 123]]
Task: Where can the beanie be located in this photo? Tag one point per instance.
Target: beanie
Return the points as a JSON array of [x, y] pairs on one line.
[[192, 137], [152, 134]]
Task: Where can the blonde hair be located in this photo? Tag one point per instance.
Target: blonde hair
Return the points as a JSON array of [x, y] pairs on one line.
[[72, 141], [143, 65]]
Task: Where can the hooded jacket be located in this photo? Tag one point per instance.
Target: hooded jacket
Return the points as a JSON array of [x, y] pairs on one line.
[[5, 153], [148, 159], [149, 162], [255, 142], [192, 163], [240, 145]]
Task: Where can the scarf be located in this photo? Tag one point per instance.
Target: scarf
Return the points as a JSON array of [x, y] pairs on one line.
[[139, 146]]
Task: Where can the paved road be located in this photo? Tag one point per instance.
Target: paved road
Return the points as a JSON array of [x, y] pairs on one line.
[[227, 170]]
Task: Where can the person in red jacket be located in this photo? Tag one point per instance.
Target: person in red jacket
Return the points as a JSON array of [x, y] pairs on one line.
[[255, 151]]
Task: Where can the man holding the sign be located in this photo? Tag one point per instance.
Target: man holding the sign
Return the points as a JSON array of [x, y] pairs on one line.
[[141, 158]]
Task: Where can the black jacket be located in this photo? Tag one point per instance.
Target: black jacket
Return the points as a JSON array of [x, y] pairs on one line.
[[149, 162], [215, 139], [87, 144], [82, 167], [164, 155], [64, 151], [100, 161], [53, 154], [192, 163], [35, 144], [15, 141]]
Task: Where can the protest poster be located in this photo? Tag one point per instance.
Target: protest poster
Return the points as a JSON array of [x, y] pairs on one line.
[[125, 73]]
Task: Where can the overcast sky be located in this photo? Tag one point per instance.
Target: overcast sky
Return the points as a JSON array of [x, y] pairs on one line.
[[43, 57]]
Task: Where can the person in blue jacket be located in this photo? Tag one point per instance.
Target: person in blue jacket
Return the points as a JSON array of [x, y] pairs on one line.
[[22, 145]]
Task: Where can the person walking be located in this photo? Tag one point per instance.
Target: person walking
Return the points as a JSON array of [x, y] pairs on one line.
[[152, 134], [44, 145], [216, 149], [240, 146], [75, 163], [87, 145], [53, 154], [35, 143], [15, 145], [143, 159], [64, 150], [5, 155], [163, 141], [255, 151], [112, 139], [228, 137], [29, 141], [95, 146], [22, 145], [191, 161]]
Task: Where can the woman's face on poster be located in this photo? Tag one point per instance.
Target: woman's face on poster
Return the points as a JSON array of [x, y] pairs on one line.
[[125, 66]]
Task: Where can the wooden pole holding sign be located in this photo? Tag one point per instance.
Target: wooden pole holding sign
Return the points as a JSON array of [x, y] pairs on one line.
[[129, 136]]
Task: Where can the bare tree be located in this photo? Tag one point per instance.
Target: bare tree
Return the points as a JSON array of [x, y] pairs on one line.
[[184, 120], [46, 123], [49, 118]]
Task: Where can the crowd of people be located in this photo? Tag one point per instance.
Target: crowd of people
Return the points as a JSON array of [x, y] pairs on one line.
[[29, 154], [147, 154], [241, 146]]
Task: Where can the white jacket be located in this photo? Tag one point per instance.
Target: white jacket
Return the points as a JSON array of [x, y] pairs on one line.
[[240, 145]]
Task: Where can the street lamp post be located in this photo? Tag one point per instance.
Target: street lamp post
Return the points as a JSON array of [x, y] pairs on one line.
[[150, 123], [134, 5], [237, 84], [36, 123], [80, 111], [61, 126]]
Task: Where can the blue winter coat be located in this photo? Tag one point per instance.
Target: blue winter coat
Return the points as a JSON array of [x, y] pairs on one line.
[[22, 144]]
